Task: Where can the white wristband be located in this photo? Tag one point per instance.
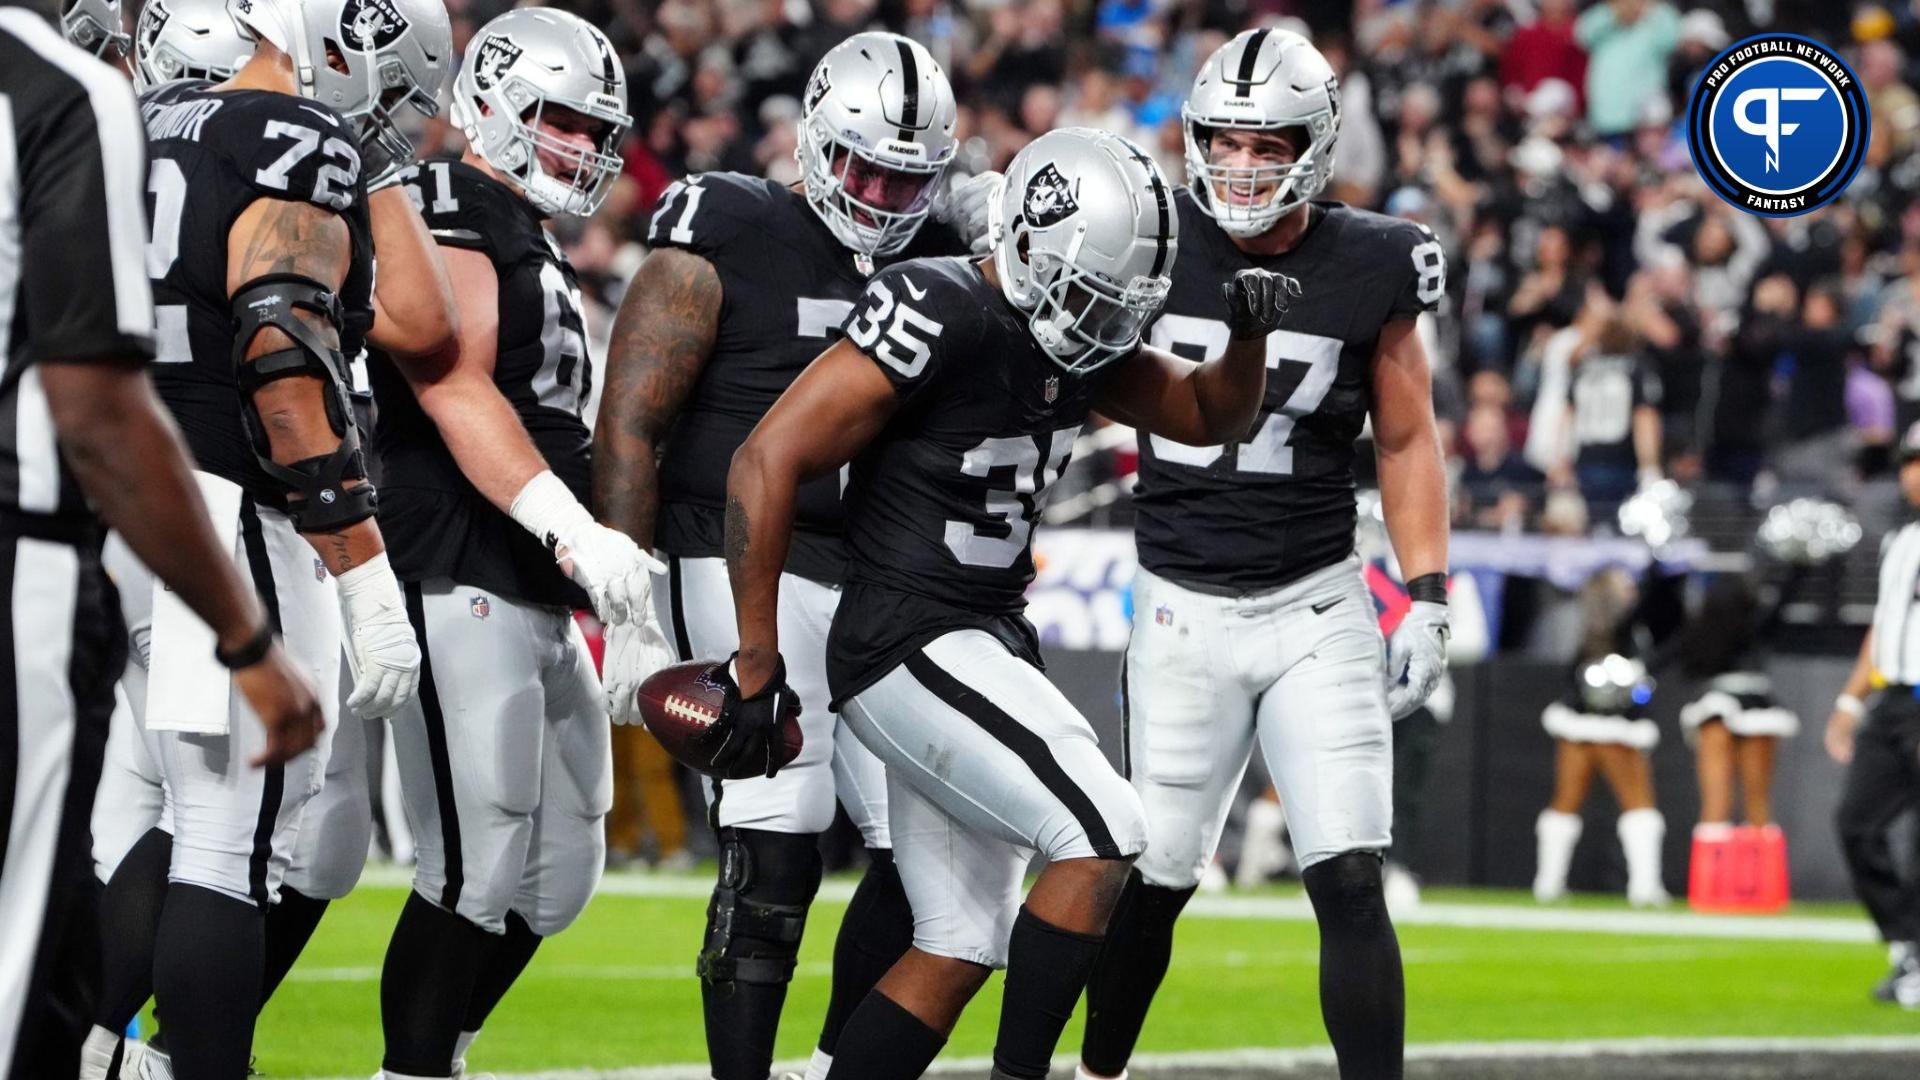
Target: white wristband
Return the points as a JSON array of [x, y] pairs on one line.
[[1849, 704], [371, 585], [548, 510]]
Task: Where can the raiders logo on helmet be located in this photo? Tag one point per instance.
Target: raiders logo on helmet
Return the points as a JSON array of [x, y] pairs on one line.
[[497, 54], [371, 24], [818, 87], [153, 19], [1049, 198]]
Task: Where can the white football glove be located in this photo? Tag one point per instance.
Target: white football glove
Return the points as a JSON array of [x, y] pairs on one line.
[[605, 562], [1419, 652], [963, 206], [386, 658], [635, 649]]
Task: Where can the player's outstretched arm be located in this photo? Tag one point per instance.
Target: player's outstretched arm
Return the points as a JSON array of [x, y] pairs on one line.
[[662, 337], [831, 411], [413, 306], [1413, 479], [1213, 402]]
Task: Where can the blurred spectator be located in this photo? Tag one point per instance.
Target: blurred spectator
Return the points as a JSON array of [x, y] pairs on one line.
[[1818, 444], [1498, 490], [1628, 43], [1702, 35], [1544, 49], [1659, 304], [1739, 441], [1613, 406]]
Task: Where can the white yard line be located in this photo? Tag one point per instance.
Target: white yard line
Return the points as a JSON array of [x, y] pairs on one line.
[[1675, 923], [1280, 1059]]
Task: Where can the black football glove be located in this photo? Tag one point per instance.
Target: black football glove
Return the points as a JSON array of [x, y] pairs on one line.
[[1256, 302], [752, 724]]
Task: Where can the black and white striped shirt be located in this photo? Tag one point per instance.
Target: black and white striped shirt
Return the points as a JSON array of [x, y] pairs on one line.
[[73, 276]]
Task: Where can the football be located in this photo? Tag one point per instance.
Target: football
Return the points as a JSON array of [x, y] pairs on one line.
[[681, 706]]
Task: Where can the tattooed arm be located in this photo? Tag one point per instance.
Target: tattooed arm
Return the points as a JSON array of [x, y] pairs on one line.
[[275, 236], [661, 340], [836, 407]]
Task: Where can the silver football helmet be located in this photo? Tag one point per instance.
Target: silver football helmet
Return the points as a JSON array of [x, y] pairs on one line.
[[186, 39], [517, 66], [1085, 233], [876, 133], [95, 25], [363, 58], [1263, 80]]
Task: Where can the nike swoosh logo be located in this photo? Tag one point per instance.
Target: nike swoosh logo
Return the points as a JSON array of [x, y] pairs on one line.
[[1322, 609], [917, 292], [332, 120]]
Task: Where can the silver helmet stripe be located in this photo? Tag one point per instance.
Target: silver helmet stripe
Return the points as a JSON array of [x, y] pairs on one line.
[[1249, 60], [910, 98]]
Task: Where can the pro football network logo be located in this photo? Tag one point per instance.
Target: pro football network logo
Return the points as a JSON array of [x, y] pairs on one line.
[[497, 55], [1049, 198], [372, 24], [1778, 125]]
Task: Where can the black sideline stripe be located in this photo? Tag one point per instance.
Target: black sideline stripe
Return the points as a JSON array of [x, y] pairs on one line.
[[273, 785], [437, 753], [1025, 743]]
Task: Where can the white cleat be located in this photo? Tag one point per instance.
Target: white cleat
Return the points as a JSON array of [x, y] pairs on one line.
[[151, 1064]]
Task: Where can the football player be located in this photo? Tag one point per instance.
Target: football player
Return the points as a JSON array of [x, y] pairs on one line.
[[1252, 619], [261, 257], [957, 394], [505, 759], [746, 281]]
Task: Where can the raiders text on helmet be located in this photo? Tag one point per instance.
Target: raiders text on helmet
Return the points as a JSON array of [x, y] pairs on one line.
[[396, 52], [522, 63], [1264, 80], [186, 39], [1085, 234], [878, 111]]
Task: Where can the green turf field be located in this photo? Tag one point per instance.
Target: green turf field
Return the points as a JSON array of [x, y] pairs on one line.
[[617, 989]]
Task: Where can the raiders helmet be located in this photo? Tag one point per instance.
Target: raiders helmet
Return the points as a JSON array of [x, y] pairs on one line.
[[1085, 233], [94, 25], [1263, 80], [396, 52], [878, 114], [186, 39], [519, 64]]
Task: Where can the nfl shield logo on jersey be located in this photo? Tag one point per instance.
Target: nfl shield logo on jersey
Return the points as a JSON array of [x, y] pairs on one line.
[[479, 608], [319, 570], [1163, 615], [1053, 388]]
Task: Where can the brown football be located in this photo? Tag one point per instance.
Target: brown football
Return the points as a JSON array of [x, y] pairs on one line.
[[681, 706]]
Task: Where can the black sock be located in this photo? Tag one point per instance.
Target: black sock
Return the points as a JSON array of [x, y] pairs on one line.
[[207, 960], [290, 925], [129, 922], [882, 1041], [510, 956], [1046, 970], [1362, 996], [754, 924], [1128, 972], [876, 932], [432, 964]]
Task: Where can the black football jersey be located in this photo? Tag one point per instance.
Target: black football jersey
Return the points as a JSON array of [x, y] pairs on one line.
[[212, 154], [437, 525], [942, 504], [1257, 514], [1605, 390], [788, 285]]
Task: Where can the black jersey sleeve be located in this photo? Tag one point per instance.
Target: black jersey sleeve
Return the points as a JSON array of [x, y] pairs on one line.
[[719, 216], [83, 225], [291, 148], [462, 208], [907, 322], [1416, 267]]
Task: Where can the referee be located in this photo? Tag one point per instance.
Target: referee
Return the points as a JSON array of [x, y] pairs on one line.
[[80, 425], [1879, 746]]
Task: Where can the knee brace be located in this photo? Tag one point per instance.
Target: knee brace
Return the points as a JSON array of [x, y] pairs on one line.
[[759, 907], [323, 502]]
